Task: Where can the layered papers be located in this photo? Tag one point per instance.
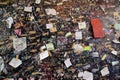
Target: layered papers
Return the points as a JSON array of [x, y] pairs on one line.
[[43, 55], [19, 44], [15, 62], [78, 35], [68, 62], [105, 71]]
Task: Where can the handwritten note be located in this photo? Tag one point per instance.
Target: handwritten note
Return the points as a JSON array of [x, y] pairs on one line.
[[78, 35], [82, 25], [15, 62], [68, 63], [105, 71], [43, 55], [19, 44]]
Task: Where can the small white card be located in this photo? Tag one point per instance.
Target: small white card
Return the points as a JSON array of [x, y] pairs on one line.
[[51, 11], [19, 44], [80, 74], [43, 55], [28, 9], [15, 62], [78, 35], [68, 62], [37, 1], [114, 52], [105, 71], [95, 54], [48, 26], [115, 63], [88, 75], [82, 25]]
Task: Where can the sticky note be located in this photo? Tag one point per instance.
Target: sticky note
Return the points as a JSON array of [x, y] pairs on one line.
[[48, 26], [28, 9], [19, 44], [78, 47], [53, 29], [43, 55], [105, 71], [87, 48], [9, 22], [15, 62], [68, 63], [78, 35], [37, 1], [117, 26], [43, 47], [82, 25], [87, 75], [104, 57], [17, 31], [51, 11], [95, 54], [50, 46], [115, 63], [80, 74], [114, 52], [116, 41], [20, 78], [68, 34]]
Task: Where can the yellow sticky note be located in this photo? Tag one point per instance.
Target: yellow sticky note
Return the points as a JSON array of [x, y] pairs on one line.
[[68, 34], [87, 48], [104, 56], [50, 46], [115, 14]]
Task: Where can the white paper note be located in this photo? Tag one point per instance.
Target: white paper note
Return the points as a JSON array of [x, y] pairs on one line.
[[82, 25], [19, 44], [51, 11], [80, 74], [114, 52], [48, 26], [37, 1], [43, 55], [115, 63], [28, 9], [78, 35], [88, 75], [68, 63], [116, 41], [95, 54], [105, 71], [15, 62], [9, 21]]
